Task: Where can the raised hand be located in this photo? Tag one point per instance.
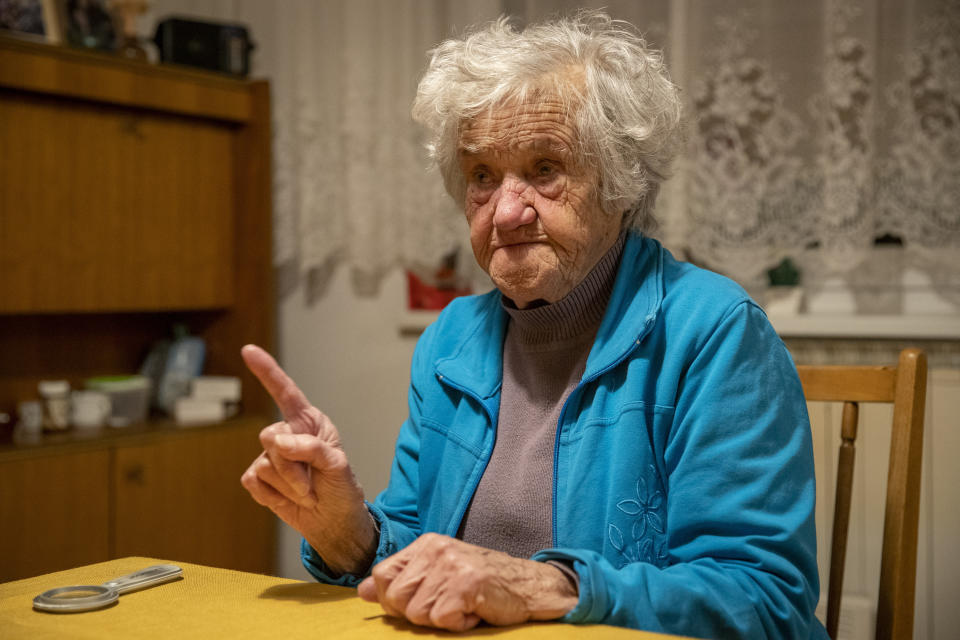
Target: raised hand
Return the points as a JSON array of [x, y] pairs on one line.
[[442, 582], [303, 475]]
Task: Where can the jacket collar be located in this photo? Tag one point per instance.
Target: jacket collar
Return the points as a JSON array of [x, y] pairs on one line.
[[475, 363], [633, 307]]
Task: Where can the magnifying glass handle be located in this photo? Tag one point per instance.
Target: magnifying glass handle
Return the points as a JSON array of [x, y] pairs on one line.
[[143, 578]]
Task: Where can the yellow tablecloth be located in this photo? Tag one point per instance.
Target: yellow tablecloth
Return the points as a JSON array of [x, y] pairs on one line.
[[218, 603]]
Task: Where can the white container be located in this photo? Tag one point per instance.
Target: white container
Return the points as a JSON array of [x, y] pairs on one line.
[[55, 395], [89, 409], [129, 398], [196, 411], [224, 388], [29, 427]]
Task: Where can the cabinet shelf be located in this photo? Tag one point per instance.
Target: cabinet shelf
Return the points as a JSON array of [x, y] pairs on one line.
[[142, 433]]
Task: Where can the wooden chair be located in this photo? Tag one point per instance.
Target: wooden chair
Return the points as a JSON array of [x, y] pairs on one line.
[[905, 386]]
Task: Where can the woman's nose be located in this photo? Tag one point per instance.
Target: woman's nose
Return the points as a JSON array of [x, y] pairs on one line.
[[513, 208]]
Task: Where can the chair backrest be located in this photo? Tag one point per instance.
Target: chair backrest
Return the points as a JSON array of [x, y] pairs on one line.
[[905, 387]]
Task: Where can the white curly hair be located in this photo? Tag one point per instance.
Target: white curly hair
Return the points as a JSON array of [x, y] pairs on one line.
[[626, 111]]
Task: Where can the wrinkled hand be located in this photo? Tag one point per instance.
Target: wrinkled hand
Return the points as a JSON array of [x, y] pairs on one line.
[[303, 475], [442, 582]]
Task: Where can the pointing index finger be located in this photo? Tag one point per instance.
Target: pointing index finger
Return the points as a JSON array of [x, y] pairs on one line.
[[279, 385]]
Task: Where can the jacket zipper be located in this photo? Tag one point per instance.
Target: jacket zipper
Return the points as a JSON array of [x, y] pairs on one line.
[[563, 410]]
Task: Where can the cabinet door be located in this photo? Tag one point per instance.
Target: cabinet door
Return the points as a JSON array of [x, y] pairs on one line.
[[180, 499], [105, 208], [54, 513]]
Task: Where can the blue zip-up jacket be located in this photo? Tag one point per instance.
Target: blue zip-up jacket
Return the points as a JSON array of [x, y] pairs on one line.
[[683, 488]]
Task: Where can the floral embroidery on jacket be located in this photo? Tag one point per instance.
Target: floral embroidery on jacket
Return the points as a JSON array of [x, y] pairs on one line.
[[645, 543]]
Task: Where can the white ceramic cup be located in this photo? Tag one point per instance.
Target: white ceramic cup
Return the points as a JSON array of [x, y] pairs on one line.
[[31, 416], [89, 409]]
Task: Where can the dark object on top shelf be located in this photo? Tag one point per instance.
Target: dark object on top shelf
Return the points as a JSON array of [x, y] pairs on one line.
[[19, 17], [88, 24], [208, 45]]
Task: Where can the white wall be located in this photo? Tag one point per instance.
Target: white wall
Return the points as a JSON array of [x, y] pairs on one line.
[[349, 357]]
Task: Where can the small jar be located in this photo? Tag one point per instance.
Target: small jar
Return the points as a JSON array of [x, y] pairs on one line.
[[55, 395]]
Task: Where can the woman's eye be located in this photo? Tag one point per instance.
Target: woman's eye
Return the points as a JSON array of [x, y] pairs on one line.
[[481, 176], [545, 170]]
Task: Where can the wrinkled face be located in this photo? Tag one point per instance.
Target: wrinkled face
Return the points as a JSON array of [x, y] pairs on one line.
[[536, 224]]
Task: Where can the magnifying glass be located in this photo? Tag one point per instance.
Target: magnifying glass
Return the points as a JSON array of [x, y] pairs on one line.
[[89, 597]]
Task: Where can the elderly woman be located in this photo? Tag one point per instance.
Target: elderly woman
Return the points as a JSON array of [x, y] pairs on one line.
[[611, 436]]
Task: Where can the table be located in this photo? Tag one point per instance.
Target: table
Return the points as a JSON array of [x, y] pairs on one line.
[[220, 603]]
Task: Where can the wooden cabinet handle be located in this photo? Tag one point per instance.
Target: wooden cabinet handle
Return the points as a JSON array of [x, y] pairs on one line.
[[130, 126], [134, 474]]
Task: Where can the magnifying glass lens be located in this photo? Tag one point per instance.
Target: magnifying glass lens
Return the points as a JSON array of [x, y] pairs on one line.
[[75, 599], [79, 593]]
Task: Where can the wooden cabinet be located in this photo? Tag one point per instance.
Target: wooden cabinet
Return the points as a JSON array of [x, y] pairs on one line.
[[156, 491], [132, 197], [54, 511], [180, 497]]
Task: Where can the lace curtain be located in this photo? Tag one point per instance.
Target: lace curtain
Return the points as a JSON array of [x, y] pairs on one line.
[[352, 183], [821, 129], [825, 132]]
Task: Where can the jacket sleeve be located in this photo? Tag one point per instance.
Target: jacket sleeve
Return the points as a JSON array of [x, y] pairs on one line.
[[741, 543], [395, 509]]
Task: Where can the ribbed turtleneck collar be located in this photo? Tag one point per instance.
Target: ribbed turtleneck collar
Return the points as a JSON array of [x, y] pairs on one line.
[[579, 311]]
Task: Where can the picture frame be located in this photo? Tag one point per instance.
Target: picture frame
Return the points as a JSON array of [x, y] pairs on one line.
[[36, 20], [87, 24]]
